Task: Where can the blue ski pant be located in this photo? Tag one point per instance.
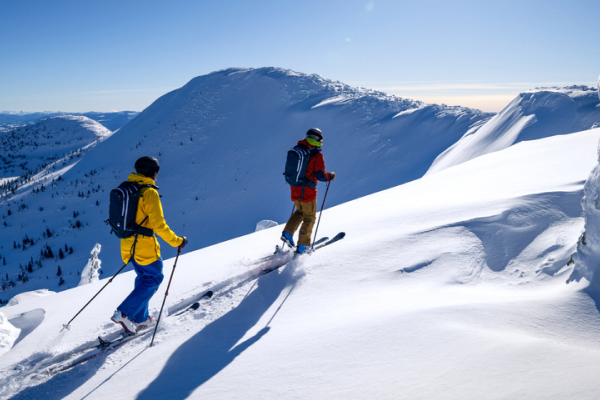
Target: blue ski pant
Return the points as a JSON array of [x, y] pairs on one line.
[[148, 279]]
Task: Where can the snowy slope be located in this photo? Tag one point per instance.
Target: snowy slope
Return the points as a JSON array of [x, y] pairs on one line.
[[222, 140], [457, 294], [531, 115], [27, 149]]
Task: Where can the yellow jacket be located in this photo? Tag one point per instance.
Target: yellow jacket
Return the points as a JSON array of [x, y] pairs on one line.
[[147, 249]]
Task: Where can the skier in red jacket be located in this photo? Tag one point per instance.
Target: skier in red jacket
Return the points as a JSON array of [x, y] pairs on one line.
[[305, 197]]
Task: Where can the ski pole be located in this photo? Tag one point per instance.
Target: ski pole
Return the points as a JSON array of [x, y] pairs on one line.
[[166, 294], [321, 213], [109, 281]]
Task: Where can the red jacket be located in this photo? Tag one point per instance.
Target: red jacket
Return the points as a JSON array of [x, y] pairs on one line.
[[315, 172]]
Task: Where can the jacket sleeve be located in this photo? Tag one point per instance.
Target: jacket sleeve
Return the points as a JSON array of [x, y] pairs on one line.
[[157, 219], [320, 173]]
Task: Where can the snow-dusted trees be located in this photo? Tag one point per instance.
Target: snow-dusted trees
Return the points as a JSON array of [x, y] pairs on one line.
[[90, 271], [587, 257]]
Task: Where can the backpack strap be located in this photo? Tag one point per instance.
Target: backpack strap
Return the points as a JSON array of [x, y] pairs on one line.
[[139, 229]]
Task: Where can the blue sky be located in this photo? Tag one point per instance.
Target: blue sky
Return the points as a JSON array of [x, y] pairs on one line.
[[116, 55]]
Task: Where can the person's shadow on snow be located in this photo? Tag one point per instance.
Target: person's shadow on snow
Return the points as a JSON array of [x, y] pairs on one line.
[[209, 351]]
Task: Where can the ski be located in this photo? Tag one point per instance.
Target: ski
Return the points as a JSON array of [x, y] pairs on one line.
[[336, 238], [103, 348], [323, 239], [111, 343], [196, 305], [282, 250]]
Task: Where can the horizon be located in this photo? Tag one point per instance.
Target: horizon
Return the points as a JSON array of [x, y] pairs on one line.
[[78, 57]]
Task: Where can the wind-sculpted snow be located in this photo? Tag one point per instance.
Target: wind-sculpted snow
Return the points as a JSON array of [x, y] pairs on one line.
[[531, 115], [27, 323], [222, 140], [28, 296]]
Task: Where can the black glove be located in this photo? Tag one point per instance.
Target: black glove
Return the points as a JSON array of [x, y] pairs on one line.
[[332, 176], [185, 241]]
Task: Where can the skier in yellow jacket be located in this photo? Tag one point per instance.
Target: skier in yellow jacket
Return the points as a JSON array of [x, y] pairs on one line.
[[144, 251]]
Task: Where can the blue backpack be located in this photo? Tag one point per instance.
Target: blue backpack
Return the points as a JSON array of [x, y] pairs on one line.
[[296, 164], [122, 211]]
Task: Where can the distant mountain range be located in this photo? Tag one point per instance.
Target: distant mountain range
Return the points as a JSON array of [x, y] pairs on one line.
[[111, 120]]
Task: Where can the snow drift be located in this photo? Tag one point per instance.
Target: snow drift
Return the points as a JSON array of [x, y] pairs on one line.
[[28, 296]]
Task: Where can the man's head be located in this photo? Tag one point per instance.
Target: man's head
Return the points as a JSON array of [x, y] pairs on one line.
[[147, 166], [314, 137]]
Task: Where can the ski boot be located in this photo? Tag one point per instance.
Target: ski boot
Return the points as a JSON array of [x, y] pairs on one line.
[[301, 250], [288, 239], [127, 324], [145, 324]]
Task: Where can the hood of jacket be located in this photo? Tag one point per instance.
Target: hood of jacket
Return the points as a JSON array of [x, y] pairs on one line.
[[141, 179]]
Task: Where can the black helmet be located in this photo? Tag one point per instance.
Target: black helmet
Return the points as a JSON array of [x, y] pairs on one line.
[[315, 133], [147, 166]]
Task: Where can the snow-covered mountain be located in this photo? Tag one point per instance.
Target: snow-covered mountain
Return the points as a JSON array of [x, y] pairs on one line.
[[27, 150], [451, 286], [531, 115], [222, 141], [111, 120]]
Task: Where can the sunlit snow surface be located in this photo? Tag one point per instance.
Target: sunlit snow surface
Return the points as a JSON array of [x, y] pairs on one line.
[[451, 286]]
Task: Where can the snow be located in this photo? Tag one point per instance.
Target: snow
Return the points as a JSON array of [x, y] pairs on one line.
[[531, 115], [450, 286], [8, 334], [28, 296], [90, 272], [408, 112], [265, 224], [6, 180]]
